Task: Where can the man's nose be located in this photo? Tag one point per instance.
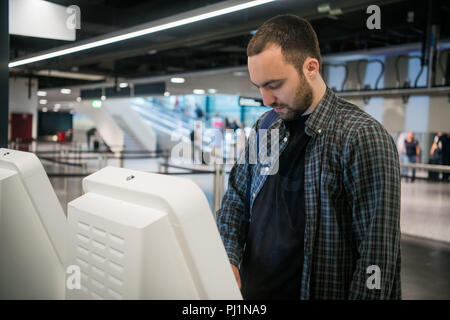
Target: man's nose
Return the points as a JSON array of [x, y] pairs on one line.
[[268, 97]]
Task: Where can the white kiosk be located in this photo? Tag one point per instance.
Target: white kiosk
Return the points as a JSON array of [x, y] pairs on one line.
[[138, 235], [33, 230], [132, 235]]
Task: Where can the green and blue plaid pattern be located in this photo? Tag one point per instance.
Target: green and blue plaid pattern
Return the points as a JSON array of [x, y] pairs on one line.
[[352, 202]]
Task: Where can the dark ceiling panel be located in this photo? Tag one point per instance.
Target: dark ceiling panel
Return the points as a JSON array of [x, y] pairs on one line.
[[222, 41]]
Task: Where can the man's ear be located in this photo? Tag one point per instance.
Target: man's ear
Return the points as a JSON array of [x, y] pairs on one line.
[[311, 68]]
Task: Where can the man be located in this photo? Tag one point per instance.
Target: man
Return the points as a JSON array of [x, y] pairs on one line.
[[412, 150], [330, 215], [198, 111], [91, 132], [233, 125], [445, 154], [435, 156]]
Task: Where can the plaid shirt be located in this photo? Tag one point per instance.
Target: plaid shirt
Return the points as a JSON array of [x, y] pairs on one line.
[[352, 203]]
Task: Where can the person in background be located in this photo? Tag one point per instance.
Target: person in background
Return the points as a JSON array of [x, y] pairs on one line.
[[198, 111], [234, 125], [91, 132], [400, 146], [435, 156], [196, 143], [412, 150], [445, 154], [226, 124], [436, 148]]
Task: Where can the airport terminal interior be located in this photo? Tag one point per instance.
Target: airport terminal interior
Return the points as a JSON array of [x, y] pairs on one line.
[[163, 87]]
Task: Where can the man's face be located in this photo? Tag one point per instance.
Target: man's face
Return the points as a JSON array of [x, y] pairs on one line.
[[280, 84]]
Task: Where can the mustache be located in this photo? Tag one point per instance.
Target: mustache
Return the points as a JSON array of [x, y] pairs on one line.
[[276, 105]]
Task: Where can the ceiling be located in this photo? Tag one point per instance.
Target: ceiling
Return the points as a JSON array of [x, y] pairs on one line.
[[214, 43]]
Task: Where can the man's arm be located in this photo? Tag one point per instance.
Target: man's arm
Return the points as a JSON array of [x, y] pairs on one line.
[[229, 216], [433, 147], [372, 181], [417, 151]]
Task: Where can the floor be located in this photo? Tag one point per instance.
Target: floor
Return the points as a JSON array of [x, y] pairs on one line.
[[425, 269], [426, 209], [425, 219]]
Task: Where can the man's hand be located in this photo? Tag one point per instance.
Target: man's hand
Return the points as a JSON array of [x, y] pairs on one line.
[[236, 275]]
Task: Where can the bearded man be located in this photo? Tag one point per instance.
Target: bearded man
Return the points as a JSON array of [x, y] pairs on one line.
[[325, 223]]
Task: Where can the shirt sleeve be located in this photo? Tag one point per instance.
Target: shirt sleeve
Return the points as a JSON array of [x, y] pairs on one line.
[[229, 216], [372, 181]]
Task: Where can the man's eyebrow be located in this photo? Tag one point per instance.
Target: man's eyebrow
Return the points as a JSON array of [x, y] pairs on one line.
[[265, 84]]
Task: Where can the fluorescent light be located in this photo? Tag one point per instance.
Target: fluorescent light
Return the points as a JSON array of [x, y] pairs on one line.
[[336, 12], [57, 106], [66, 91], [177, 80], [41, 93], [96, 104], [323, 8], [43, 101], [123, 85], [139, 33], [198, 91], [68, 75], [212, 91], [167, 93]]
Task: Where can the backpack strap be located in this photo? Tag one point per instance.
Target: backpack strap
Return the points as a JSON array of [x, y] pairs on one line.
[[265, 123]]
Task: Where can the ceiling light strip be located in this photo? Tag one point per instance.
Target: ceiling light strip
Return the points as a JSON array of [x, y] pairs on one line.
[[139, 33]]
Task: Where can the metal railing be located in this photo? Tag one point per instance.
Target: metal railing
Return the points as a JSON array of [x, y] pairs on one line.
[[426, 167], [64, 158], [73, 158]]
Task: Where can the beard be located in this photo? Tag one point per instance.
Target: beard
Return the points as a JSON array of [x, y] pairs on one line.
[[302, 101]]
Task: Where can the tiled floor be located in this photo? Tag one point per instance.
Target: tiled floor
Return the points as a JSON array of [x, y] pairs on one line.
[[425, 214], [425, 269], [426, 209]]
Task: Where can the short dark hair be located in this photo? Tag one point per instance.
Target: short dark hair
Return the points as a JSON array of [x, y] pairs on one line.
[[293, 34]]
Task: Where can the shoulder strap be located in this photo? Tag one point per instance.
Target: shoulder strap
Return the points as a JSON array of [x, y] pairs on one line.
[[265, 123]]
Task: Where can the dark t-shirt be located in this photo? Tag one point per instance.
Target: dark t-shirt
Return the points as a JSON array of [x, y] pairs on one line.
[[445, 141], [411, 147], [273, 257]]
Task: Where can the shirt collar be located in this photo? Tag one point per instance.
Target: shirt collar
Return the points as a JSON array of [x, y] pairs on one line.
[[319, 119]]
